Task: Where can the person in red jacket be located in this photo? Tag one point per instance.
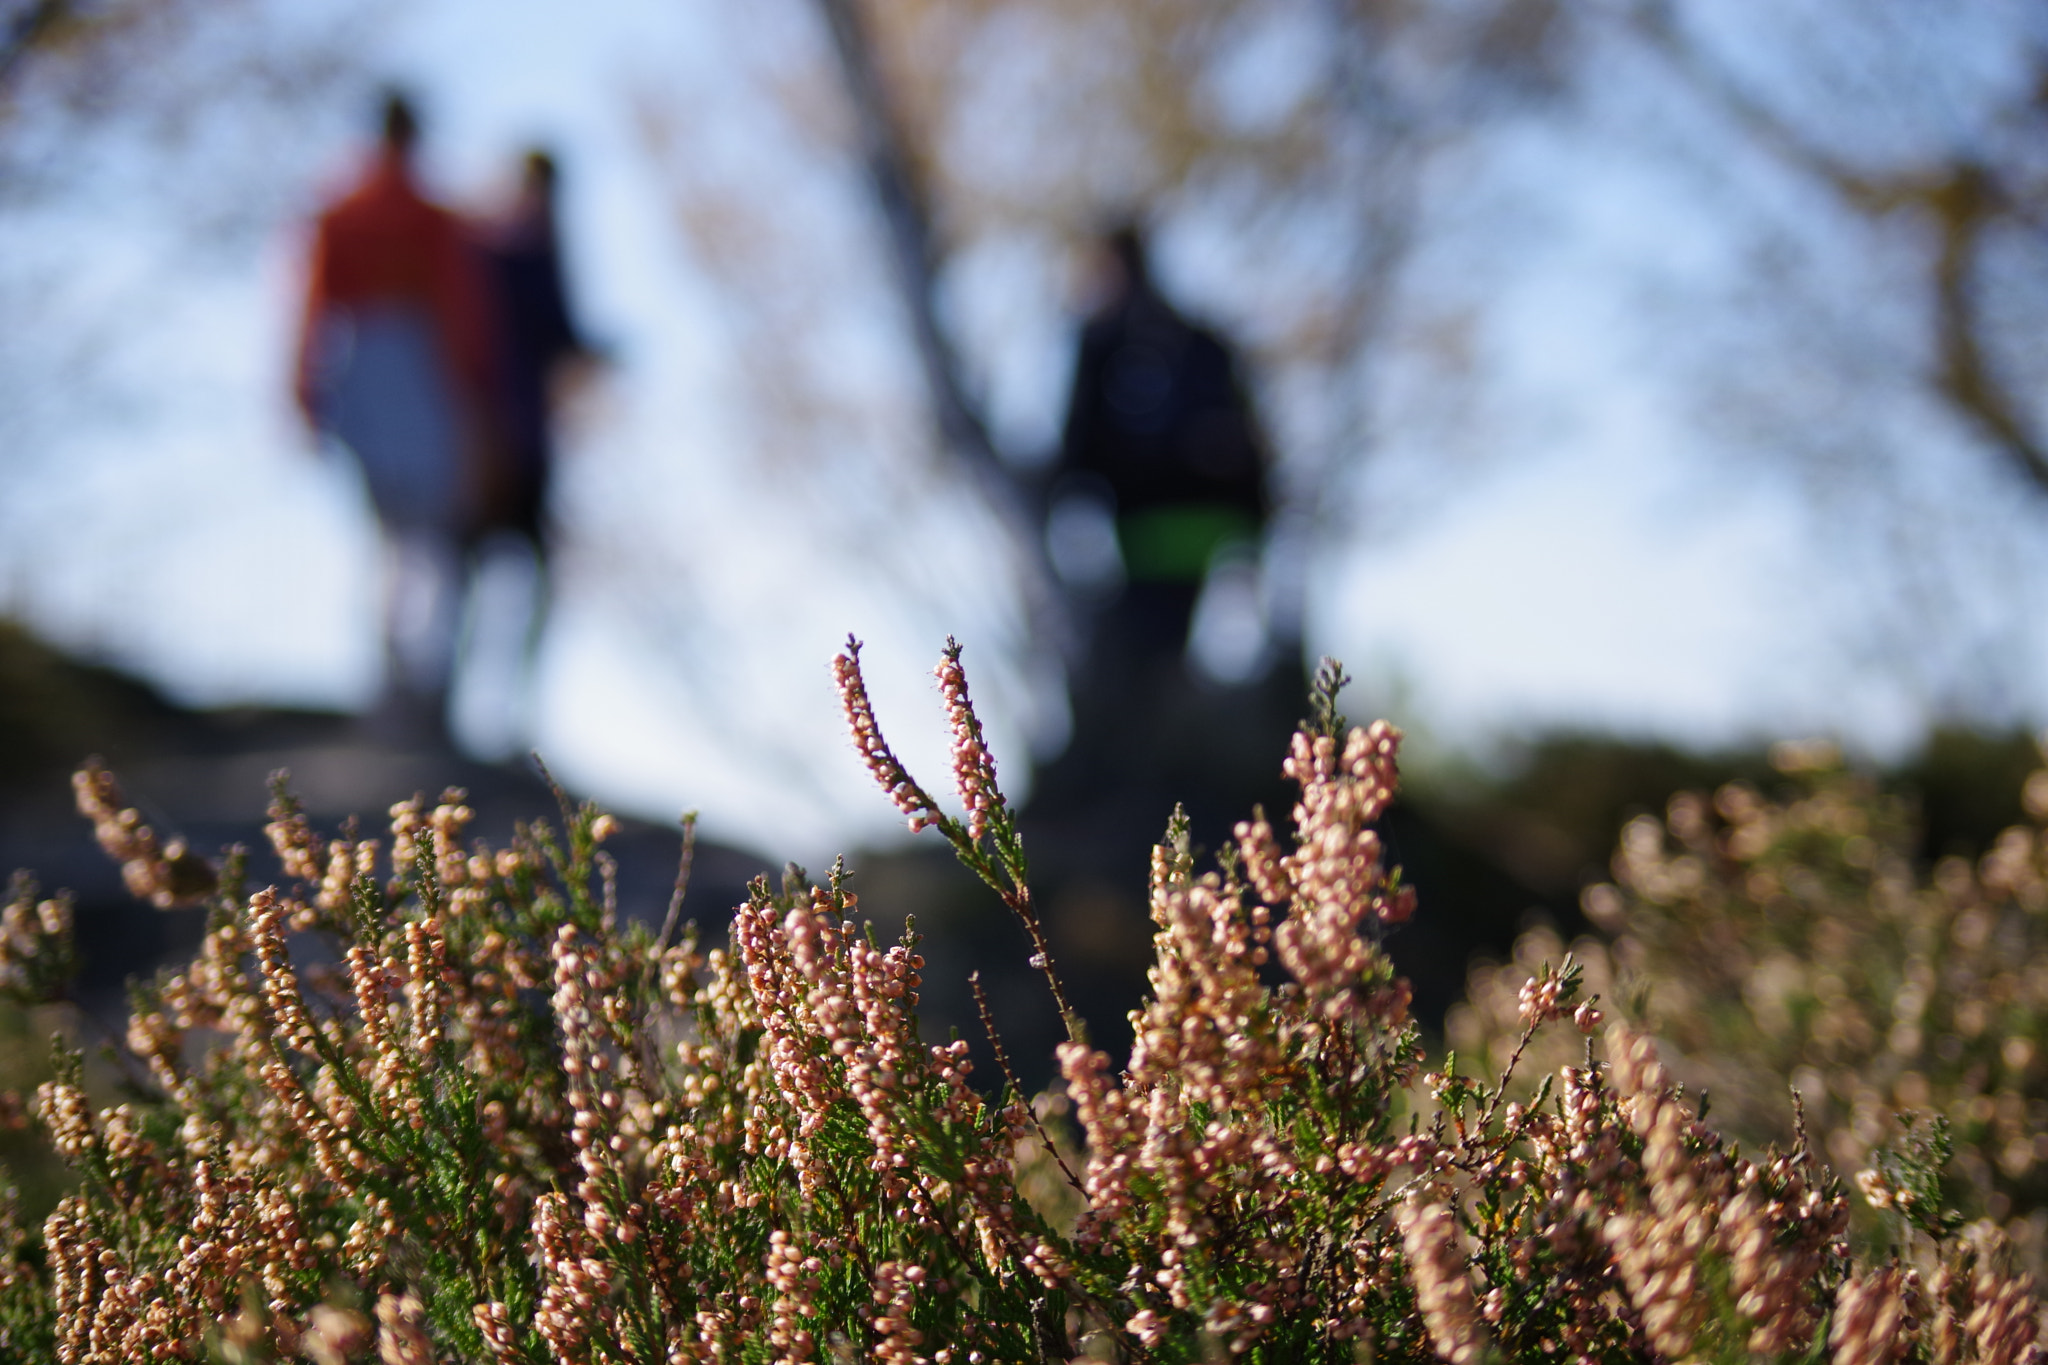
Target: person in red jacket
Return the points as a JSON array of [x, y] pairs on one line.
[[395, 364]]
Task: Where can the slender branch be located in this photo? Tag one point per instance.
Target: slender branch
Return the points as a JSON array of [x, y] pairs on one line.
[[1964, 205], [1019, 901], [1507, 1075], [1003, 876], [675, 900], [907, 218], [560, 793], [988, 1024], [28, 28], [1962, 197]]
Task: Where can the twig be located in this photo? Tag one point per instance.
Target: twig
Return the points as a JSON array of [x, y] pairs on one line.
[[1506, 1075], [1019, 901], [560, 794], [675, 900], [988, 1024]]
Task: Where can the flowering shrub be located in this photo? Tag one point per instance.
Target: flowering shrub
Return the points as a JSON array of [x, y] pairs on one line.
[[431, 1101], [1791, 941]]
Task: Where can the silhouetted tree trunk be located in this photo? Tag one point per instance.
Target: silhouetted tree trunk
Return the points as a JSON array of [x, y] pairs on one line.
[[906, 217], [907, 222]]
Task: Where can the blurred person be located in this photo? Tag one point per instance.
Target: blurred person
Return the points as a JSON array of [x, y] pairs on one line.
[[395, 364], [537, 351], [537, 348], [1158, 424]]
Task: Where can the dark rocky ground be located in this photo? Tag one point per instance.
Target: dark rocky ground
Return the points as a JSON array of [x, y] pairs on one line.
[[205, 776]]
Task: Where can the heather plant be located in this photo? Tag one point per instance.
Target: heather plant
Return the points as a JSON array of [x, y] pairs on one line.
[[1791, 940], [426, 1100]]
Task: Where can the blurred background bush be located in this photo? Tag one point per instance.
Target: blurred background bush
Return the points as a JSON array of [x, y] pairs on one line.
[[1793, 935]]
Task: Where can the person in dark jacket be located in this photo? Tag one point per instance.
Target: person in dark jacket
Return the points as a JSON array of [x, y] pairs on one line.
[[535, 339], [536, 346], [1159, 420]]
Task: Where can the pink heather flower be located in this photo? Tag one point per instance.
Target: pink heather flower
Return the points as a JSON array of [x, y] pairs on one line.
[[2004, 1320], [291, 838], [974, 768], [494, 1320], [1342, 895], [1264, 863], [334, 1335], [1770, 1280], [280, 983], [895, 1294], [874, 750], [1148, 1327], [1546, 995], [1443, 1289], [401, 1331], [1869, 1318]]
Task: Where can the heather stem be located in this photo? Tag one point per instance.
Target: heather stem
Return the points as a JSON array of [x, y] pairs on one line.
[[682, 887], [989, 818], [1018, 898], [995, 1041]]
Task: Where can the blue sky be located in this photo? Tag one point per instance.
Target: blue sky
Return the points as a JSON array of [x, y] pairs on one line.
[[1575, 538]]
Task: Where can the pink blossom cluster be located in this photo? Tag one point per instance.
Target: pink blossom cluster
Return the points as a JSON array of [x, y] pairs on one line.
[[974, 768], [1334, 884], [455, 1106], [874, 750], [164, 874]]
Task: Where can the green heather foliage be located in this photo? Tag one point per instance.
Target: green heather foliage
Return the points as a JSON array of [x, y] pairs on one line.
[[431, 1102]]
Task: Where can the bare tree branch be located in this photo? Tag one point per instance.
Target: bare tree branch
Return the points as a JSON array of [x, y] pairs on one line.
[[1961, 198], [906, 218], [1965, 204], [25, 30]]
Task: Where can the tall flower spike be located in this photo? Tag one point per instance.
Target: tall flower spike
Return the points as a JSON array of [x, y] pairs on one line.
[[1657, 1249], [290, 833], [1443, 1291], [165, 875], [910, 798], [280, 982], [1869, 1319], [2003, 1321], [974, 768], [896, 1341]]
